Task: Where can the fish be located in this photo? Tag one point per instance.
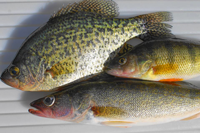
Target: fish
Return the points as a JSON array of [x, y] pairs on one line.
[[165, 60], [121, 103], [76, 42]]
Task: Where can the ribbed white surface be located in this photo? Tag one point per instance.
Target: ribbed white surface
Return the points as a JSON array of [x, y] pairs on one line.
[[18, 18]]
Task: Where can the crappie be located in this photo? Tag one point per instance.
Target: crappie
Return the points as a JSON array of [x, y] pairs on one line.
[[75, 43], [160, 60], [122, 103]]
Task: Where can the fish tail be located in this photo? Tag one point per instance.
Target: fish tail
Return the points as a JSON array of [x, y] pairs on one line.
[[153, 26]]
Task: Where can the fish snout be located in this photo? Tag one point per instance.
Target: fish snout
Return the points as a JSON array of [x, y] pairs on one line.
[[9, 80], [106, 68]]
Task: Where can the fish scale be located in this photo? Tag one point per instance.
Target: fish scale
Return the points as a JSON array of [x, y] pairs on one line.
[[171, 59], [76, 42], [109, 101]]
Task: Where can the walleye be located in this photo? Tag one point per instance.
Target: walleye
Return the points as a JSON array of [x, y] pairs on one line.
[[121, 103], [159, 60], [75, 43]]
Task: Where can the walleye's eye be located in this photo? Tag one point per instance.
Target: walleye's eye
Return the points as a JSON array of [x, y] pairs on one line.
[[122, 61], [49, 101], [14, 71]]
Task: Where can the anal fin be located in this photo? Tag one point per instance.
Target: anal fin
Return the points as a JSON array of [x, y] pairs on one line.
[[192, 117], [121, 124]]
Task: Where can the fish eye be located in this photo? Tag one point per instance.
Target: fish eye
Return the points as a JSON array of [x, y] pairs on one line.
[[49, 101], [122, 61], [14, 71]]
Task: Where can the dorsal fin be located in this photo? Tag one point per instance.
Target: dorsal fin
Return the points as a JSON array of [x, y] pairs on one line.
[[107, 8]]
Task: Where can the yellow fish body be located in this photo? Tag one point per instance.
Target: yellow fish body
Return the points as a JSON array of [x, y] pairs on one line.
[[158, 60]]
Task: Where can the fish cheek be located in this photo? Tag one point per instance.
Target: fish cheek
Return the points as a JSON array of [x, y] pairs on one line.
[[62, 106], [131, 66], [145, 66]]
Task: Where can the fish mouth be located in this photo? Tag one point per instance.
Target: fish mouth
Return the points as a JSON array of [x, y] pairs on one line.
[[37, 111], [7, 79], [114, 72]]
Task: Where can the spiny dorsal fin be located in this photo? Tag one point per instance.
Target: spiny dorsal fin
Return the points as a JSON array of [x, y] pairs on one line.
[[107, 8], [126, 47]]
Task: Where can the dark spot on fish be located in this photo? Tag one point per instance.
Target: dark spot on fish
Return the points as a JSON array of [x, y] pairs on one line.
[[85, 35], [102, 38], [97, 40], [59, 44], [101, 30], [110, 30], [82, 41], [52, 62], [74, 38], [97, 34], [122, 31], [76, 29], [89, 30], [93, 44], [81, 36], [88, 43]]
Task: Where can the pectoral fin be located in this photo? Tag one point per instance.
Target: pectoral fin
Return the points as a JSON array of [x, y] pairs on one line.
[[108, 112]]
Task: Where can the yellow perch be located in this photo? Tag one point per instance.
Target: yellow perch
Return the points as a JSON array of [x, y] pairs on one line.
[[159, 60]]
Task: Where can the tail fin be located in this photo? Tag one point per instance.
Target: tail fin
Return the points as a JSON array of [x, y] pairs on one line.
[[154, 27]]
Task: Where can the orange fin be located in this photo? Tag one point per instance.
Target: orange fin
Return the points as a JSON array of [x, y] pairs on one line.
[[171, 80], [108, 112], [121, 124], [192, 117], [170, 83], [51, 73]]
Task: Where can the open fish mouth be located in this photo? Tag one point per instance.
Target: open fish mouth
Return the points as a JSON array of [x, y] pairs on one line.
[[38, 111]]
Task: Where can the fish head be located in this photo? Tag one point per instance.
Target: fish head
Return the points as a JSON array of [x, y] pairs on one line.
[[18, 76], [53, 106], [122, 66], [128, 66]]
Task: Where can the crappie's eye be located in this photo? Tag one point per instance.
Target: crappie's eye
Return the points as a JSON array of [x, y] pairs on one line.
[[122, 61], [49, 101], [14, 71]]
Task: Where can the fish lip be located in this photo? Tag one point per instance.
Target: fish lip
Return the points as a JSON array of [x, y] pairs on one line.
[[37, 111], [106, 69], [7, 79]]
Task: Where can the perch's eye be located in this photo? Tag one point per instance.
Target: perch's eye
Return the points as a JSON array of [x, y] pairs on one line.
[[122, 61]]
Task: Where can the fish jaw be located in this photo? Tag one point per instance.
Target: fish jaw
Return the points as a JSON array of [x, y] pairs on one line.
[[40, 110], [9, 80], [37, 112], [119, 72]]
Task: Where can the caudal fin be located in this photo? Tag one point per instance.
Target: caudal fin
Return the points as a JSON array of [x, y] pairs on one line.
[[154, 27]]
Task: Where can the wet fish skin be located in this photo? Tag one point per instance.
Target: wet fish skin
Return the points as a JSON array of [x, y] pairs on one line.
[[121, 103], [73, 45], [159, 60]]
